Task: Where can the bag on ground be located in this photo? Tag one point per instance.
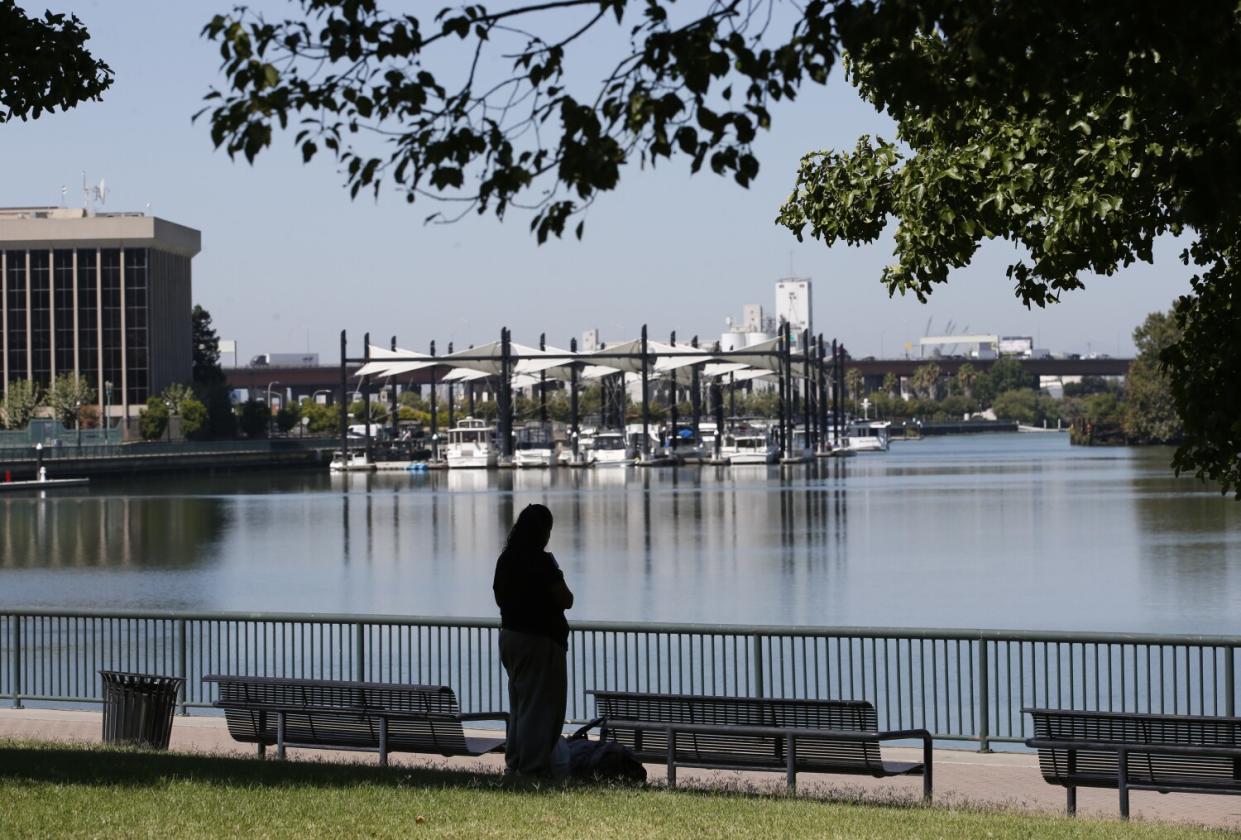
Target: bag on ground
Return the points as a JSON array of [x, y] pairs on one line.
[[602, 760]]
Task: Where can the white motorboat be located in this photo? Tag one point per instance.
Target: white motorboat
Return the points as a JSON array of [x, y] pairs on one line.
[[354, 460], [471, 444], [866, 436], [533, 448], [750, 446], [609, 449]]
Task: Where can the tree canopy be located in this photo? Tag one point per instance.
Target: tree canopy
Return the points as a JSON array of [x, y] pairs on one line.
[[1080, 134], [44, 64]]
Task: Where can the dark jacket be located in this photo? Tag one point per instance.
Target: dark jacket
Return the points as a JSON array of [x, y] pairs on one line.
[[524, 585]]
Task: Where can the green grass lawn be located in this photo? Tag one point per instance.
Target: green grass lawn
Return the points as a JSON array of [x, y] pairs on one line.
[[53, 790]]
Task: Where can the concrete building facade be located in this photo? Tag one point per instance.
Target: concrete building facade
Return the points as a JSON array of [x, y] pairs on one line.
[[105, 296]]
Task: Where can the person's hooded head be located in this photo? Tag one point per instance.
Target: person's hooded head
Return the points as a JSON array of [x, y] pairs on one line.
[[531, 531]]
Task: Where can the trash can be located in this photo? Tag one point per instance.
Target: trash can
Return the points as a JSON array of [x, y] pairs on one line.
[[138, 708]]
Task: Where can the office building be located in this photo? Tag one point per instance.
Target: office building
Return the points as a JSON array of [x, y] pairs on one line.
[[105, 296]]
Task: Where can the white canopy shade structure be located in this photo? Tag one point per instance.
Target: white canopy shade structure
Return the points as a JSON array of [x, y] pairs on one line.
[[751, 373], [464, 375], [622, 356], [672, 357], [722, 369], [485, 358], [385, 362], [553, 357], [764, 354]]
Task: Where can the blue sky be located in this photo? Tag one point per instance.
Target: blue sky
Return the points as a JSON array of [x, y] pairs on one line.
[[288, 260]]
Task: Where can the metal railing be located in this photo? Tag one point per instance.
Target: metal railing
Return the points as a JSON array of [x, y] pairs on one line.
[[962, 685]]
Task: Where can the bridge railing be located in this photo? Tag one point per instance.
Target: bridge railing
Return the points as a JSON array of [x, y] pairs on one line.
[[962, 685]]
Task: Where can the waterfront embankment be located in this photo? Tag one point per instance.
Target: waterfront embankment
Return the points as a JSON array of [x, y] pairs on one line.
[[18, 464]]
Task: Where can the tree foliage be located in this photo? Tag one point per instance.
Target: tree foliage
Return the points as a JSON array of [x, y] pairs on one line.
[[207, 370], [68, 396], [194, 418], [853, 383], [389, 98], [253, 418], [21, 401], [966, 380], [44, 64], [288, 417], [925, 381], [1149, 411], [324, 419], [153, 419], [176, 394], [1080, 136]]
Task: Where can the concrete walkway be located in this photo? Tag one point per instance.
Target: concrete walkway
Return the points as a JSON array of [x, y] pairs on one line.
[[1007, 780]]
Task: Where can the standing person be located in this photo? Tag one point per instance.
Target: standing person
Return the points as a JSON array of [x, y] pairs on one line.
[[534, 639]]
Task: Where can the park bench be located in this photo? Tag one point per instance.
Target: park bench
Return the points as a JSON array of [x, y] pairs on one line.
[[749, 733], [338, 714], [1133, 751]]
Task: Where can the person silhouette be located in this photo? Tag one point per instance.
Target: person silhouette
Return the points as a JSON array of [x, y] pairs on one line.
[[531, 593]]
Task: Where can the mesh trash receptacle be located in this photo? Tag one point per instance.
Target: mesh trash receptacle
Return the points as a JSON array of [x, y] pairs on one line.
[[138, 708]]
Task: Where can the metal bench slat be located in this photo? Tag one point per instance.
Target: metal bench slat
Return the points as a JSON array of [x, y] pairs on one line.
[[640, 720]]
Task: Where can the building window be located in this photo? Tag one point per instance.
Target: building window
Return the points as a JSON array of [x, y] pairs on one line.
[[88, 311], [40, 319], [110, 309], [15, 329], [136, 323], [62, 304]]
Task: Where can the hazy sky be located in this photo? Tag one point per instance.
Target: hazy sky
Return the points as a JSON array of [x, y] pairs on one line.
[[288, 260]]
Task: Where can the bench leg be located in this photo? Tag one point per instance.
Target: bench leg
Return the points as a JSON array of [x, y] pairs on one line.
[[790, 763], [928, 770], [1070, 795], [1122, 782], [672, 759], [383, 742], [280, 735]]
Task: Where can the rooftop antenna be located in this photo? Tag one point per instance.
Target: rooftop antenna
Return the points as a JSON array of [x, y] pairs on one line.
[[90, 195], [64, 192]]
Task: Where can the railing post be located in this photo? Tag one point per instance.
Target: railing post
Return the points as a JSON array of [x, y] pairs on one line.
[[181, 690], [359, 652], [15, 660], [1230, 681], [758, 666], [984, 697]]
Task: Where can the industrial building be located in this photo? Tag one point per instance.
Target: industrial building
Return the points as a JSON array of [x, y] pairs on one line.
[[105, 296]]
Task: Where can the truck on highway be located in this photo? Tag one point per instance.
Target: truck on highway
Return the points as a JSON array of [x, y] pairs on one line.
[[285, 360]]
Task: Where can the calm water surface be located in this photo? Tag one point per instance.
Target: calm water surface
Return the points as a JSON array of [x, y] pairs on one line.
[[1005, 531]]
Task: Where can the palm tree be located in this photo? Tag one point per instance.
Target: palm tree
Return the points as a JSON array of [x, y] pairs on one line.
[[926, 380], [967, 376], [891, 385], [853, 383]]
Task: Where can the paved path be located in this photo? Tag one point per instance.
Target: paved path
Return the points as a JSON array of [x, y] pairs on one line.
[[1009, 780]]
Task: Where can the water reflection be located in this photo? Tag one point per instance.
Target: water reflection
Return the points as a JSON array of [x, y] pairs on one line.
[[78, 531], [953, 532], [1183, 559]]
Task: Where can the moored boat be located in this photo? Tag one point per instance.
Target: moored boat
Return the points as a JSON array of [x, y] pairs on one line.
[[533, 447], [749, 446], [609, 449], [866, 436], [471, 444]]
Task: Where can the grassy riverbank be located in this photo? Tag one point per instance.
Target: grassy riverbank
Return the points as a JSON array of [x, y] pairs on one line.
[[96, 792]]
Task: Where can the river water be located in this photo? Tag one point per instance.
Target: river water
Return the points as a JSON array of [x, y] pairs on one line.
[[993, 531]]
